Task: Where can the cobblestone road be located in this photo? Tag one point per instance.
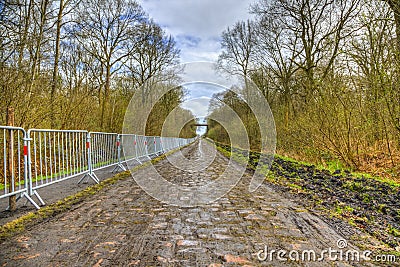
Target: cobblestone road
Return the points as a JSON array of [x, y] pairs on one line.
[[123, 226]]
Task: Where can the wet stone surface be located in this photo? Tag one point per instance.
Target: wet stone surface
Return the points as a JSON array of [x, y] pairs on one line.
[[123, 226]]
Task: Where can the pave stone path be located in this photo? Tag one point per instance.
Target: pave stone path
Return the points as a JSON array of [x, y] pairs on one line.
[[124, 226]]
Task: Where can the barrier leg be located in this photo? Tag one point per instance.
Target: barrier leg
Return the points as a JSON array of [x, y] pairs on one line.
[[90, 174], [119, 165]]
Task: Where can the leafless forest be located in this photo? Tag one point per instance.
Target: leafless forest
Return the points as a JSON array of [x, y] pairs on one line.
[[330, 72], [329, 69]]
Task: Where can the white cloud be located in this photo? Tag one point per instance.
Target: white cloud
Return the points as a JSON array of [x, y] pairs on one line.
[[197, 24], [202, 90], [198, 106]]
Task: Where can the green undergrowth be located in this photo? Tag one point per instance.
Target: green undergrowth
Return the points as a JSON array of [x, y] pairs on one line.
[[333, 167]]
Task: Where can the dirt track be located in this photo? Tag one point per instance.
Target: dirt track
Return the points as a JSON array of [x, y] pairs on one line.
[[123, 226]]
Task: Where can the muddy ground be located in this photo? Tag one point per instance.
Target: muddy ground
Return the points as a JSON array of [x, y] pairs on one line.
[[368, 204], [124, 226]]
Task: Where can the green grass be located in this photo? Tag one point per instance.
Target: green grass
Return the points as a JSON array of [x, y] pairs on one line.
[[393, 231], [288, 159], [341, 209]]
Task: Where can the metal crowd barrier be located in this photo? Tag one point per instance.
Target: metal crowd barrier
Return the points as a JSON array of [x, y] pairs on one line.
[[158, 145], [14, 171], [41, 157], [141, 146], [167, 143], [127, 150], [55, 156], [151, 145], [102, 151]]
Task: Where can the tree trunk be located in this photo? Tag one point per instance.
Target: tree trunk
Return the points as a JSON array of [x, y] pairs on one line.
[[395, 6], [12, 202], [55, 67], [35, 64], [24, 35], [106, 96]]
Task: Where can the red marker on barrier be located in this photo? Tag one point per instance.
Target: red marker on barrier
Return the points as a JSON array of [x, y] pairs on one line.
[[118, 143], [87, 145], [25, 150]]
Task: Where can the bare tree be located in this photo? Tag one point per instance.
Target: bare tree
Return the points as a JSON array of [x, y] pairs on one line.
[[62, 11], [276, 57], [320, 27], [153, 54], [105, 29], [238, 44]]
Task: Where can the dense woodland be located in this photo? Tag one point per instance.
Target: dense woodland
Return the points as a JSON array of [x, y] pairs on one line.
[[331, 73], [73, 64]]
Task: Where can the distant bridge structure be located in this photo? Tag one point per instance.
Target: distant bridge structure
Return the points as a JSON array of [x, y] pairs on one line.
[[201, 125]]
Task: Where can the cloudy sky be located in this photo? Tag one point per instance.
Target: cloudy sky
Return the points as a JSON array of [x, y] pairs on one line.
[[197, 25]]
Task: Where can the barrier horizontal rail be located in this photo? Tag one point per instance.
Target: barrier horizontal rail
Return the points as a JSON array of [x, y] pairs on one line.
[[37, 158]]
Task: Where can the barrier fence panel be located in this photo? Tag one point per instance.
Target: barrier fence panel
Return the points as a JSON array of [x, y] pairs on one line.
[[171, 143], [14, 172], [55, 155], [158, 145], [141, 143], [119, 155], [175, 142], [164, 144], [40, 157], [127, 149], [151, 148], [102, 151]]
